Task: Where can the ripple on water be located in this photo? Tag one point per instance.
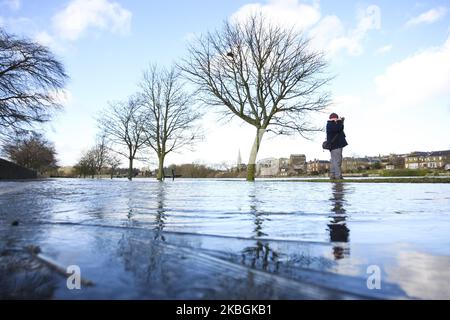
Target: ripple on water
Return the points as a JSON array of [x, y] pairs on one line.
[[296, 231]]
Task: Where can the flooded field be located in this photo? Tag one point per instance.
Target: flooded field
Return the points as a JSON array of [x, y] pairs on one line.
[[225, 239]]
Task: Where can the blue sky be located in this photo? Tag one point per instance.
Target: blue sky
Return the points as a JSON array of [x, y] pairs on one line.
[[391, 60]]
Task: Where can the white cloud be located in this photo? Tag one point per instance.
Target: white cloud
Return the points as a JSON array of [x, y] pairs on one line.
[[347, 101], [428, 17], [44, 38], [80, 15], [328, 29], [384, 49], [408, 108], [410, 102], [418, 79], [12, 4], [282, 12], [330, 35]]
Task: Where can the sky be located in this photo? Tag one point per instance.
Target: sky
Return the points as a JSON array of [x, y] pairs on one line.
[[390, 59]]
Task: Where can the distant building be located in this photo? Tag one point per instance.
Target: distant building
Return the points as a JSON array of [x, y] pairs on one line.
[[427, 160], [438, 159], [415, 160], [283, 166], [317, 166], [374, 160], [350, 164], [239, 165], [297, 163], [268, 167], [239, 161], [389, 162], [395, 161]]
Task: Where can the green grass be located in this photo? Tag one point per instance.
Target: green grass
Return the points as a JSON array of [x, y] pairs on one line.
[[383, 180], [403, 173]]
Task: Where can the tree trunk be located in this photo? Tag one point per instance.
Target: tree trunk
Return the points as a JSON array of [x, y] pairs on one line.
[[251, 167], [160, 175], [130, 169]]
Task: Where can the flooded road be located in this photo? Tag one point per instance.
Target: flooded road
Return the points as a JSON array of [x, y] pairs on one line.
[[225, 239]]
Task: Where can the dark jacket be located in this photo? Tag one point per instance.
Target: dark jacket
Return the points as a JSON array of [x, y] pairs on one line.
[[336, 128]]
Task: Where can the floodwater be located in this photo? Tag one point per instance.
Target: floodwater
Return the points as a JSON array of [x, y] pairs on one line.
[[225, 239]]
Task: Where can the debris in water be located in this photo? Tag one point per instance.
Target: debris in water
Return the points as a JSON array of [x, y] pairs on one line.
[[35, 251]]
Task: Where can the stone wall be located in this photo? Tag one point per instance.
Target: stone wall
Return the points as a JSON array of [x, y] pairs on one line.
[[9, 170]]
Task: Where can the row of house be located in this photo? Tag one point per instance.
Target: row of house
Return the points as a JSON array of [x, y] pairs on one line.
[[428, 160], [296, 164]]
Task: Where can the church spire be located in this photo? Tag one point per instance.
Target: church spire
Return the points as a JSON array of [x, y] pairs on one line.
[[239, 160]]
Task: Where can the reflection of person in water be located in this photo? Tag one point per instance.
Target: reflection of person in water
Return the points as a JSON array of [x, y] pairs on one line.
[[337, 226]]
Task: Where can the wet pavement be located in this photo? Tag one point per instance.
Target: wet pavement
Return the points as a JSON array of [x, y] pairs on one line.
[[224, 239]]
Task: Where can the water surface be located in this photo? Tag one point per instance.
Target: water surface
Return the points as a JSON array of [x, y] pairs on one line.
[[196, 239]]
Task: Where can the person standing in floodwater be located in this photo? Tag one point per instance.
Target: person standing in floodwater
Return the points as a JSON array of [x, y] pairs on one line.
[[336, 136]]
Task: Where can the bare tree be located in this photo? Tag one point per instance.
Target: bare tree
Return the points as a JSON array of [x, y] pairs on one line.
[[32, 151], [101, 152], [95, 159], [113, 162], [124, 125], [86, 166], [262, 73], [30, 79], [171, 120]]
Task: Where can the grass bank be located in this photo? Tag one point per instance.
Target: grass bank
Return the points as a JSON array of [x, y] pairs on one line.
[[383, 180], [404, 173]]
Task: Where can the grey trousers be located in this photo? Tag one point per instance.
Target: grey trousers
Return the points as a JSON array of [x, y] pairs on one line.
[[335, 163]]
